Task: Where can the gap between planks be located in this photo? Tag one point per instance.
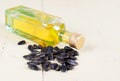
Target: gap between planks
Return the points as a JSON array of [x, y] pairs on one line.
[[2, 49]]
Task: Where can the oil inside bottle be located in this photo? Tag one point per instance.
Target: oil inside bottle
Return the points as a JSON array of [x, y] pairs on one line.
[[37, 26]]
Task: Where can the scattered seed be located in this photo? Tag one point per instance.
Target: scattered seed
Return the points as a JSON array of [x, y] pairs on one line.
[[35, 46], [31, 63], [39, 47], [29, 57], [46, 66], [76, 53], [63, 68], [30, 47], [60, 61], [69, 67], [72, 57], [68, 48], [22, 42], [34, 67], [72, 62], [41, 56]]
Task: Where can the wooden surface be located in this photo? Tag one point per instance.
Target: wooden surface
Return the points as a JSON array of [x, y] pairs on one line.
[[97, 20]]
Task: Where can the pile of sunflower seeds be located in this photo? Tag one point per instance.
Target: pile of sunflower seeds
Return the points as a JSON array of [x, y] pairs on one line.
[[51, 58]]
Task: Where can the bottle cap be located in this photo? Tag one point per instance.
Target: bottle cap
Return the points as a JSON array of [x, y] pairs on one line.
[[76, 40]]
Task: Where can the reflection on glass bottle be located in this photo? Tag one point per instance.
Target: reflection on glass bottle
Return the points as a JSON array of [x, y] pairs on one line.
[[40, 27]]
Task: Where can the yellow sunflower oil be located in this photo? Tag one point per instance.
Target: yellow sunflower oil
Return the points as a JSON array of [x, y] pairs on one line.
[[40, 27]]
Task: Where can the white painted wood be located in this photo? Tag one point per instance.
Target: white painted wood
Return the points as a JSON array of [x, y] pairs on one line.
[[13, 66], [97, 20]]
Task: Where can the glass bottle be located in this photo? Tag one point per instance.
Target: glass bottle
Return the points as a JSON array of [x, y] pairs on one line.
[[40, 27]]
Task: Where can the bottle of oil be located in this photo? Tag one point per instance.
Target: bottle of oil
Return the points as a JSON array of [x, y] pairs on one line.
[[40, 27]]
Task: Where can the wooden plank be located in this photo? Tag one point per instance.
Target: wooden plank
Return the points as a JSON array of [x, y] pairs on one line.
[[99, 60], [13, 66]]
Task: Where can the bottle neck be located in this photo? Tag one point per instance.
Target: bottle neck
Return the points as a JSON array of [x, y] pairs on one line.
[[73, 39], [65, 36]]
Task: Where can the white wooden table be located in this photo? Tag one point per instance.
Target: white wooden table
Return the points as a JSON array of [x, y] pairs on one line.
[[97, 20]]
